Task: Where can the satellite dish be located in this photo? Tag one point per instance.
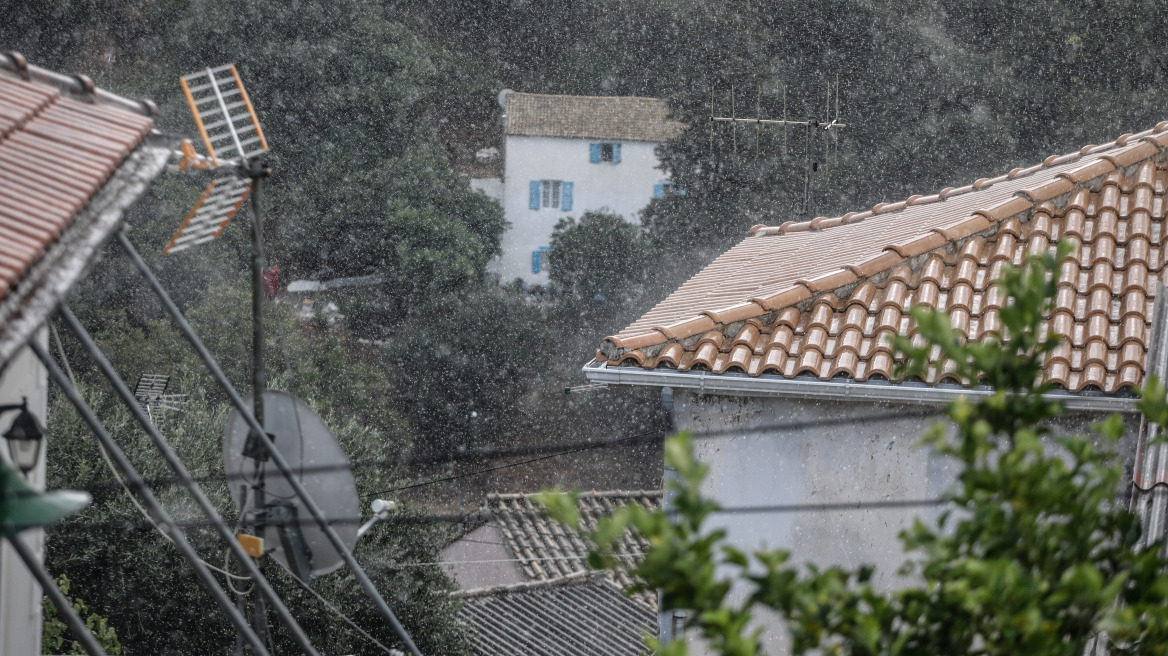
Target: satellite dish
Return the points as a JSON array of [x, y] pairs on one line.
[[314, 454]]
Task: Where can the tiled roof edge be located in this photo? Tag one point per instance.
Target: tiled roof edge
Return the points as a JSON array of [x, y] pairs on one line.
[[567, 95], [568, 579], [588, 494], [615, 350], [822, 222], [80, 87]]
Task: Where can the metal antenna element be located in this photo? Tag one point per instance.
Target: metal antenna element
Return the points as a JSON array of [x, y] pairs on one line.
[[576, 389], [829, 127], [150, 393], [226, 119], [211, 214], [276, 457], [733, 120], [157, 512]]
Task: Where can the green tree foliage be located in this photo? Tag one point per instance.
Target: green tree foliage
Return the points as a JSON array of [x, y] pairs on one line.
[[123, 567], [601, 257], [55, 636], [462, 362], [1036, 553]]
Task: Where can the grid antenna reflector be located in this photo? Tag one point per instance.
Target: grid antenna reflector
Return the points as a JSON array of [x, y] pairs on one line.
[[207, 219], [225, 116], [151, 393], [151, 386]]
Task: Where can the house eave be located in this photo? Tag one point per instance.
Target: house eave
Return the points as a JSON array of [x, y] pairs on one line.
[[841, 389], [48, 281]]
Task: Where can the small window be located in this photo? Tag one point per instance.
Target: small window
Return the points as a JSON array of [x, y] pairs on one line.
[[550, 193], [604, 152], [667, 188], [538, 263]]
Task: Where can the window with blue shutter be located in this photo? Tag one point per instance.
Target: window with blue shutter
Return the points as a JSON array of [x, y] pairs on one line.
[[566, 196], [666, 188], [533, 201], [537, 258], [604, 152]]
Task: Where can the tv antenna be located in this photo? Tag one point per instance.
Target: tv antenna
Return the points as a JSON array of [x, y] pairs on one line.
[[829, 128], [151, 393], [236, 146]]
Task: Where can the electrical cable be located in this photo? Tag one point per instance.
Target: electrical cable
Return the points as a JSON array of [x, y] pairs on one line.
[[787, 426], [478, 472], [336, 611], [555, 449], [121, 482], [454, 518], [622, 554]]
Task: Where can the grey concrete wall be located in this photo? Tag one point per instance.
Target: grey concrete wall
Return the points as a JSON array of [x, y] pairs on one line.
[[465, 558], [858, 459]]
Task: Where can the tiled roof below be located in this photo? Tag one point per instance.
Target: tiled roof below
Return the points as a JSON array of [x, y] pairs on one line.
[[821, 299], [576, 615], [55, 154], [618, 118], [547, 549]]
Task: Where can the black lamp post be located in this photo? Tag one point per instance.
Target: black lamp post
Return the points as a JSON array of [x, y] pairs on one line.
[[24, 437]]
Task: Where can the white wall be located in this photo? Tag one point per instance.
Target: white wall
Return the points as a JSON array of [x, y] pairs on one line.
[[491, 187], [20, 596], [624, 188]]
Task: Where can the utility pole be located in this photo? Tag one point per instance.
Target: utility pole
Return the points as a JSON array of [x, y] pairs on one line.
[[255, 169]]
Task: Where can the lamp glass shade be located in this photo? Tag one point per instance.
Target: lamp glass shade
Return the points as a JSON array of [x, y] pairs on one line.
[[24, 441]]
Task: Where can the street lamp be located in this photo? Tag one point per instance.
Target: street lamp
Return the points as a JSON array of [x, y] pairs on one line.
[[24, 437]]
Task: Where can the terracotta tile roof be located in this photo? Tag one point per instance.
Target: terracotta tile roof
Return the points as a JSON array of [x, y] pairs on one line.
[[574, 615], [546, 549], [57, 153], [818, 298], [590, 117]]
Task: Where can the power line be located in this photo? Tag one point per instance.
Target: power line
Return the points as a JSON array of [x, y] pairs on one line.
[[724, 432], [479, 472], [336, 611], [551, 450], [487, 515]]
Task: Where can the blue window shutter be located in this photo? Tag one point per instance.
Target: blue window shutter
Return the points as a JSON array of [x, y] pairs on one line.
[[534, 202], [566, 197], [659, 190], [594, 153], [536, 256], [616, 153]]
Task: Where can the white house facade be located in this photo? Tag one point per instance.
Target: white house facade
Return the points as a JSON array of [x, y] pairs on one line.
[[567, 155], [776, 356]]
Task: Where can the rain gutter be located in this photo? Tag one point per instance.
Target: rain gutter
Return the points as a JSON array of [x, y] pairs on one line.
[[840, 389]]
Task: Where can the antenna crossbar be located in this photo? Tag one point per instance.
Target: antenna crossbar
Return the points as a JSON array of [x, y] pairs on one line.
[[211, 214], [224, 114], [766, 121]]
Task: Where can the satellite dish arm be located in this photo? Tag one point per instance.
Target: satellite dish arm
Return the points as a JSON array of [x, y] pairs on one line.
[[381, 509]]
